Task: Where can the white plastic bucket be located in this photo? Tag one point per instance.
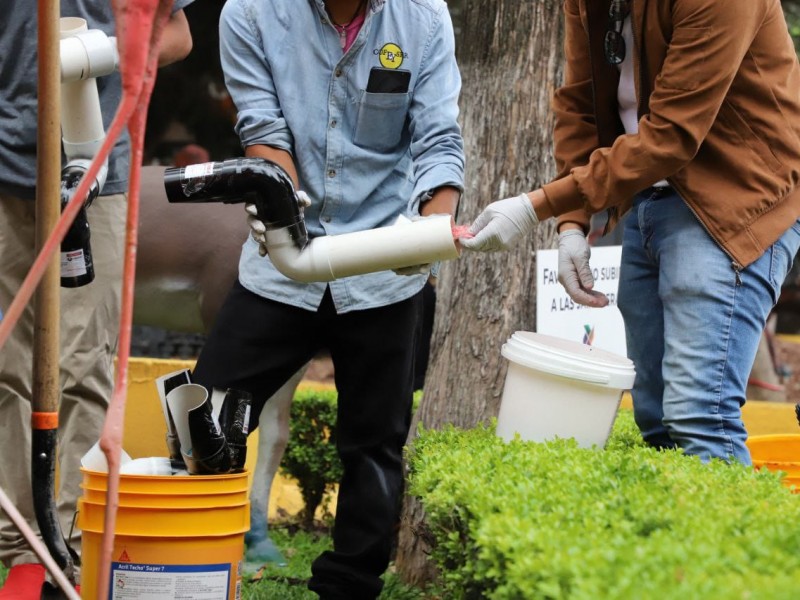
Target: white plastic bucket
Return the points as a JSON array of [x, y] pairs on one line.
[[558, 388]]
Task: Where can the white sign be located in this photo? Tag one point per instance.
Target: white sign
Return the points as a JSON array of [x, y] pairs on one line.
[[558, 315]]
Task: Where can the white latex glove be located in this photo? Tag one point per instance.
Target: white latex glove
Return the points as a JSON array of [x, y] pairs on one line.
[[258, 231], [501, 225], [574, 271]]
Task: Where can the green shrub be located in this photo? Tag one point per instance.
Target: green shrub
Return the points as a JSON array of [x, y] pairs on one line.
[[523, 520], [310, 455]]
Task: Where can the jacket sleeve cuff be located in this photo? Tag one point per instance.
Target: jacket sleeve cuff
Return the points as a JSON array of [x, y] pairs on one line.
[[578, 217], [563, 195]]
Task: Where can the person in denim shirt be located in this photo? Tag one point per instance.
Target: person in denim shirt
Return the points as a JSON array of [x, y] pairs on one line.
[[358, 101]]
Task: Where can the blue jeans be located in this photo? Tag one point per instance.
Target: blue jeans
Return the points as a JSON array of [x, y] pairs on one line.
[[693, 323]]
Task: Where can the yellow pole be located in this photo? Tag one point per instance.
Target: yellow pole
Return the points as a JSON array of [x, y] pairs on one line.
[[48, 209], [46, 388]]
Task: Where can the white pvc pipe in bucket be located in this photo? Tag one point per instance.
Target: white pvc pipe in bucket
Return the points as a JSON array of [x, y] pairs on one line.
[[559, 388], [180, 401]]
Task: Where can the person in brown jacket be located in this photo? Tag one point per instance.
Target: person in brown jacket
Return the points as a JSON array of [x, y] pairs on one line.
[[685, 117]]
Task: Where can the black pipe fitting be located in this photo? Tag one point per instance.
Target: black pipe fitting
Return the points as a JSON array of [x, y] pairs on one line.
[[253, 180], [234, 420], [209, 453]]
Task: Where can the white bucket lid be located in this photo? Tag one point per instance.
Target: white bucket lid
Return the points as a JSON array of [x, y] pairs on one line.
[[569, 359]]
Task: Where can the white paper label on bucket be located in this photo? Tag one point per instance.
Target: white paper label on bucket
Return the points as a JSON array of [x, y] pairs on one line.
[[134, 581]]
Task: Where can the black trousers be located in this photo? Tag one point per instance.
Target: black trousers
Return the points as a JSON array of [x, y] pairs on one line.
[[257, 344]]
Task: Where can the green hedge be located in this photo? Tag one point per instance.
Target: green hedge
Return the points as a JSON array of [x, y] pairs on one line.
[[311, 456], [523, 520]]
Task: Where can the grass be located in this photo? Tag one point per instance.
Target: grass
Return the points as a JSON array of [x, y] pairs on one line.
[[290, 582]]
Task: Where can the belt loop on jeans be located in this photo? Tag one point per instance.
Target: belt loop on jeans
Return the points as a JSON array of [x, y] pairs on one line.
[[655, 192]]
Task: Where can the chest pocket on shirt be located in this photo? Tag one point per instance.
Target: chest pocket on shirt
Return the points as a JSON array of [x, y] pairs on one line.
[[380, 120]]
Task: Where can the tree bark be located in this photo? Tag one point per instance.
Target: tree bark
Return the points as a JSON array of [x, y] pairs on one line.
[[510, 54]]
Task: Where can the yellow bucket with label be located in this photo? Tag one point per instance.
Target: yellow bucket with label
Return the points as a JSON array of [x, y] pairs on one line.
[[175, 537], [778, 452]]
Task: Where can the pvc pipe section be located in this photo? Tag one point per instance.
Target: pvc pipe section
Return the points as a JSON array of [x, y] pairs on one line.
[[85, 55], [165, 384], [71, 175], [181, 402], [330, 257], [212, 433], [325, 258]]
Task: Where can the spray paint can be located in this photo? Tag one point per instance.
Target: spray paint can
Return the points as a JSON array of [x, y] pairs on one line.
[[77, 267]]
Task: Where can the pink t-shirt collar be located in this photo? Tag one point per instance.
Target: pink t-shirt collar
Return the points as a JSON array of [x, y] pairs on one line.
[[349, 32]]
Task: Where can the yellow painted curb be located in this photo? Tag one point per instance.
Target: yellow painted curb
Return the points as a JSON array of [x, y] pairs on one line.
[[760, 417]]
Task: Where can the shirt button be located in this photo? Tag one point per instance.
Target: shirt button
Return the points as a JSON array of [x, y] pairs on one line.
[[338, 72], [326, 219], [333, 123], [332, 173]]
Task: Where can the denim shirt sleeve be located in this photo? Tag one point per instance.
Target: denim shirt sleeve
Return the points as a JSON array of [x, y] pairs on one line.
[[180, 5], [437, 147], [248, 78]]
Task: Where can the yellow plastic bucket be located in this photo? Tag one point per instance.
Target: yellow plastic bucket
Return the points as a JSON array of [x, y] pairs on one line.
[[780, 452], [175, 537]]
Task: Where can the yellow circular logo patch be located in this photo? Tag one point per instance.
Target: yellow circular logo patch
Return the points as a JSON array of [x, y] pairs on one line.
[[391, 56]]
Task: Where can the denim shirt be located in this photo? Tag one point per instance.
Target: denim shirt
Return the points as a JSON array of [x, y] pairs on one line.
[[364, 158]]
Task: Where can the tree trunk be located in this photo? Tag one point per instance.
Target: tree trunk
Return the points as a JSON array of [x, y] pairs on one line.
[[510, 54]]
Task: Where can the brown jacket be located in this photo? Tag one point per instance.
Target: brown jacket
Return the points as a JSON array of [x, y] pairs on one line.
[[718, 84]]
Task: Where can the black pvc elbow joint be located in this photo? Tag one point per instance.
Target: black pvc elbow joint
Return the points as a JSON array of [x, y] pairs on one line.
[[253, 180]]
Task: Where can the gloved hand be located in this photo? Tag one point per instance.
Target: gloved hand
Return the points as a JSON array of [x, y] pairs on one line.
[[574, 271], [258, 231], [501, 225]]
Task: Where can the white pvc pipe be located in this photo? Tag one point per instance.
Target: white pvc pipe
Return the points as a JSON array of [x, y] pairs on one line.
[[330, 257], [325, 258], [82, 128], [180, 401], [85, 53]]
